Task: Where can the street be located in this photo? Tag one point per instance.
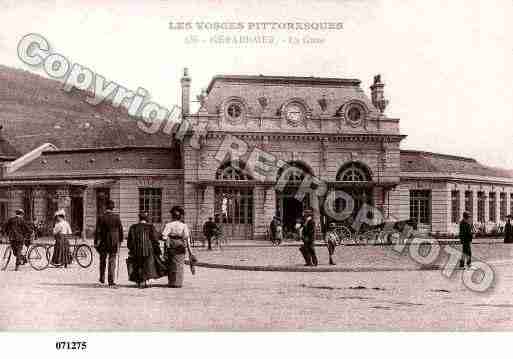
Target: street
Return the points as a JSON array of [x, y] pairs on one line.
[[388, 292]]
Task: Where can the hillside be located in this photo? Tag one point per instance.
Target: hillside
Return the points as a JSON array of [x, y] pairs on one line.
[[35, 110]]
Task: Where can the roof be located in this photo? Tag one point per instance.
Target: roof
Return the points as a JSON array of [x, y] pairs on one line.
[[276, 91], [82, 183], [322, 81], [429, 162]]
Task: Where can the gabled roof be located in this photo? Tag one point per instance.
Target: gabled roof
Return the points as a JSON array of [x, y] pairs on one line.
[[428, 162]]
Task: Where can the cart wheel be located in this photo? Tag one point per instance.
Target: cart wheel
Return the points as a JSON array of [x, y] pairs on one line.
[[344, 235], [37, 257], [6, 257], [84, 255]]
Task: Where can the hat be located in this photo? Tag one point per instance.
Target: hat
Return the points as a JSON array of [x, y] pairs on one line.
[[60, 212], [20, 211], [177, 211], [143, 216]]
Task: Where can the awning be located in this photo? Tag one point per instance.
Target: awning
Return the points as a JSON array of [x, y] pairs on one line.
[[77, 183]]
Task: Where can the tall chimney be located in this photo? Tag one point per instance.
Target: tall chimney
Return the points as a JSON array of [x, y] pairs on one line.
[[378, 94], [186, 92]]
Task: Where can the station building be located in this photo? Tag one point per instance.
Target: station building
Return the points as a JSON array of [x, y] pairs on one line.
[[248, 132]]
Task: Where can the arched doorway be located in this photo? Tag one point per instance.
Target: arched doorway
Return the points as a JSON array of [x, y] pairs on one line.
[[233, 205], [287, 206], [355, 179]]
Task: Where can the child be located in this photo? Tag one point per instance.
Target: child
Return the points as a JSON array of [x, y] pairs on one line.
[[331, 241]]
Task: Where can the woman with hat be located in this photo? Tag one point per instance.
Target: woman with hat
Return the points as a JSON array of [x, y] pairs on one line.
[[177, 236], [141, 243], [61, 252]]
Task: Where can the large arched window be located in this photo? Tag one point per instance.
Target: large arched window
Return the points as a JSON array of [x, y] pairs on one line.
[[232, 171], [293, 173], [234, 204], [353, 172]]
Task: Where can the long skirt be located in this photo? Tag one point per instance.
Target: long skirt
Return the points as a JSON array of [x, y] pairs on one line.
[[61, 252], [175, 264]]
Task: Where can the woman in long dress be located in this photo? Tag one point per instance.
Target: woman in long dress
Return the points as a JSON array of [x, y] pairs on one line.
[[61, 252], [178, 243], [142, 243]]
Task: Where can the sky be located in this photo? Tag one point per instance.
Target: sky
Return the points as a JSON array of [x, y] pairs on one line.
[[447, 66]]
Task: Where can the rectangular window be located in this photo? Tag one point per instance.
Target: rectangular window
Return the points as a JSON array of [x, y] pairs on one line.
[[511, 204], [455, 206], [469, 203], [480, 207], [420, 206], [502, 206], [492, 201], [150, 202]]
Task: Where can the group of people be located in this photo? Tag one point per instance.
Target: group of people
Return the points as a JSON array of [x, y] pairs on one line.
[[305, 231], [145, 258]]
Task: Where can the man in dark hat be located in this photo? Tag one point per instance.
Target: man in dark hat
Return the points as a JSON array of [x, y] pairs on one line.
[[508, 230], [18, 231], [466, 240], [209, 231], [108, 238], [308, 247]]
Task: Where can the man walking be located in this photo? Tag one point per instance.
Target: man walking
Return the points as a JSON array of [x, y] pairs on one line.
[[18, 231], [108, 238], [209, 231], [308, 247], [508, 231], [466, 240]]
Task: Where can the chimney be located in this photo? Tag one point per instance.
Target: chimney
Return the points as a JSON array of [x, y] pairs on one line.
[[378, 94], [186, 89]]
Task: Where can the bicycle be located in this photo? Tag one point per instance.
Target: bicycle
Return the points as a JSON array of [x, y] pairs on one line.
[[35, 255], [82, 252]]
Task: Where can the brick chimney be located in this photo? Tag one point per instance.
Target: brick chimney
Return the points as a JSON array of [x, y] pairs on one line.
[[186, 92], [378, 94]]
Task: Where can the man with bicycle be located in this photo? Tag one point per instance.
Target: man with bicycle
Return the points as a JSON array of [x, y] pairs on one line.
[[19, 232]]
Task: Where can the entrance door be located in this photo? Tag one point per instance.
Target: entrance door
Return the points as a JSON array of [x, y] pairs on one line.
[[290, 208], [77, 214], [234, 210]]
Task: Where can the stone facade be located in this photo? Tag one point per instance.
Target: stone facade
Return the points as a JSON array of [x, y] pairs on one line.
[[248, 131]]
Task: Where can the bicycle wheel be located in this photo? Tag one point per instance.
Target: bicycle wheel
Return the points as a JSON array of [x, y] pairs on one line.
[[49, 256], [6, 257], [37, 257], [84, 255]]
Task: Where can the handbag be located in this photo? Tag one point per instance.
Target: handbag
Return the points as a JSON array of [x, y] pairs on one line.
[[176, 246]]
